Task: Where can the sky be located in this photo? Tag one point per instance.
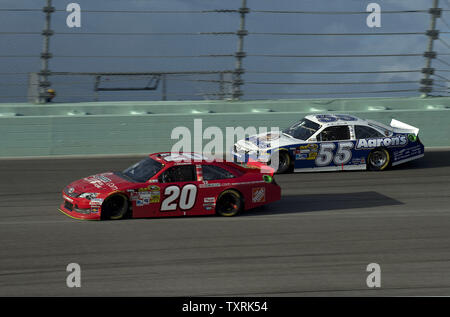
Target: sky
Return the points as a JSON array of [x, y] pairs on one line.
[[13, 87]]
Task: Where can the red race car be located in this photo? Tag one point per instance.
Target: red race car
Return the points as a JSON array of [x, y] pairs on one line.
[[171, 184]]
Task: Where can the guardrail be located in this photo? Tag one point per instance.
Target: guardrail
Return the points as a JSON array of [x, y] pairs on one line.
[[104, 128]]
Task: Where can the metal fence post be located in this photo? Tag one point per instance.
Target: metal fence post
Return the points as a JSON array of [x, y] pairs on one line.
[[221, 86], [44, 83], [164, 87], [433, 34], [240, 54]]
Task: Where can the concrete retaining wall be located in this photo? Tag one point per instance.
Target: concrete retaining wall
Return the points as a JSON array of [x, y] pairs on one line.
[[144, 127]]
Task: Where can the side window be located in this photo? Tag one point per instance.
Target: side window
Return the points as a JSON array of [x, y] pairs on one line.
[[212, 172], [336, 133], [179, 173], [363, 132]]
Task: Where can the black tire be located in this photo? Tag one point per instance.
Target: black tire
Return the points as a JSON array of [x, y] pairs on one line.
[[115, 207], [378, 159], [284, 163], [229, 203]]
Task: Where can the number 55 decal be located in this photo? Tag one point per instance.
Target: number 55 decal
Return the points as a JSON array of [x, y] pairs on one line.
[[186, 201], [342, 156]]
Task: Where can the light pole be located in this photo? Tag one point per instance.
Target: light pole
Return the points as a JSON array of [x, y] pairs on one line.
[[44, 83], [433, 34], [240, 54]]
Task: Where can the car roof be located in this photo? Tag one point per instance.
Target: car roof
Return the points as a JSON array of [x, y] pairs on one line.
[[317, 118], [179, 158]]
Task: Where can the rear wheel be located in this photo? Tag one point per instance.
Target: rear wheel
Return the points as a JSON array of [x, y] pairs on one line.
[[115, 207], [378, 159], [229, 203]]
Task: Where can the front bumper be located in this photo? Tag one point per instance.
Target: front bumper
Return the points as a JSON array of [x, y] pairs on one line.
[[244, 156], [79, 209]]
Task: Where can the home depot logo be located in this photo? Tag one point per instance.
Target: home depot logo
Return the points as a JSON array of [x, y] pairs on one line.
[[259, 195]]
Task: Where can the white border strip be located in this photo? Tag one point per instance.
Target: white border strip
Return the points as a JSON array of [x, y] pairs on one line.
[[408, 159], [331, 168]]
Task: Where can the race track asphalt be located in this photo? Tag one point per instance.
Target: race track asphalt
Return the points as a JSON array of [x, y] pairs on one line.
[[316, 241]]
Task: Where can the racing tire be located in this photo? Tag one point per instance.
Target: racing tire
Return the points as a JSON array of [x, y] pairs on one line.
[[378, 159], [284, 163], [115, 207], [229, 203]]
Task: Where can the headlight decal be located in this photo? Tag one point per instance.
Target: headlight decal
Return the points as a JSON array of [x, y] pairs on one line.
[[88, 196]]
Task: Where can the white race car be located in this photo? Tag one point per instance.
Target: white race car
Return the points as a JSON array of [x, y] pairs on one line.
[[331, 142]]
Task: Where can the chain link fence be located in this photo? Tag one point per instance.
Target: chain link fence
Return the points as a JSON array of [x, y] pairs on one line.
[[242, 51]]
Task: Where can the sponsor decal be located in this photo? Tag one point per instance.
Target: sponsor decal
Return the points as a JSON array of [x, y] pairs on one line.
[[412, 137], [408, 152], [149, 188], [373, 143], [148, 195], [259, 194], [306, 152], [209, 200], [134, 196], [94, 181], [209, 203], [208, 185], [155, 197], [96, 201], [103, 178], [95, 209], [99, 181], [178, 157], [358, 161], [143, 195], [326, 118], [302, 156], [139, 203]]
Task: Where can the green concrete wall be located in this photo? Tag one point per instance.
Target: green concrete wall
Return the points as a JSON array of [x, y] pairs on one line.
[[144, 127]]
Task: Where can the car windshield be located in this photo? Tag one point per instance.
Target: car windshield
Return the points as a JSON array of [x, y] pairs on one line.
[[302, 130], [143, 170]]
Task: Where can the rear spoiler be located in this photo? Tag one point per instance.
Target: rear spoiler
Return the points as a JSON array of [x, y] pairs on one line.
[[250, 166], [403, 127], [260, 167]]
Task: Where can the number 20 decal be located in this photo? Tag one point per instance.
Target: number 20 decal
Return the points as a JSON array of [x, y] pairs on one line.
[[187, 198], [342, 156]]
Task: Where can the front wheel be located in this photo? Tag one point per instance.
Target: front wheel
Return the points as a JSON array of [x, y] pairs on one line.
[[115, 207], [378, 160], [229, 203], [284, 162]]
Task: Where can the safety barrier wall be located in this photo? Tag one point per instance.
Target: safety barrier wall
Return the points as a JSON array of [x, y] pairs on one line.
[[144, 127]]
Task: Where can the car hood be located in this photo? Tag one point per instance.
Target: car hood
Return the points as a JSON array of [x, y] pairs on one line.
[[99, 183], [267, 141]]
